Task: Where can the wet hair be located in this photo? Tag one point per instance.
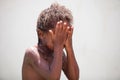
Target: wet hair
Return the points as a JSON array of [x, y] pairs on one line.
[[50, 16]]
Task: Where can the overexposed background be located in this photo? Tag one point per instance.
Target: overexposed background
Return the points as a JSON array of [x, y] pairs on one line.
[[96, 36]]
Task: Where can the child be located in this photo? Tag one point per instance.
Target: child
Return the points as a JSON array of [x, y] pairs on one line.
[[45, 60]]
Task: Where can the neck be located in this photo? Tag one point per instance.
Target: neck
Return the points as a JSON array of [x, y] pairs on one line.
[[44, 50]]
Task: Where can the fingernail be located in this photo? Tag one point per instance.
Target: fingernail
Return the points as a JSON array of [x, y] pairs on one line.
[[60, 21], [64, 23], [50, 31]]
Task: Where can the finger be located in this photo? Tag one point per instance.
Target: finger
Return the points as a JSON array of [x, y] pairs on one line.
[[57, 27], [61, 26], [64, 26], [67, 30]]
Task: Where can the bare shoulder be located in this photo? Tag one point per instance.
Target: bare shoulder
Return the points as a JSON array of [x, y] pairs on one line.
[[32, 51], [31, 54]]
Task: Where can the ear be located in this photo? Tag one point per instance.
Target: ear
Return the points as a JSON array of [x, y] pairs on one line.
[[40, 33]]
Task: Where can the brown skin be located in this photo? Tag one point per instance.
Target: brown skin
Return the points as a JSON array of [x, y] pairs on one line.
[[36, 67]]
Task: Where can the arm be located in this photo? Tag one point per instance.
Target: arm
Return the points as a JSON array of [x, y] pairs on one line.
[[53, 71], [70, 66]]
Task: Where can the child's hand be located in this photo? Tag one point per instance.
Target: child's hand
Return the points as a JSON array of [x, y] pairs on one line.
[[68, 42], [60, 35]]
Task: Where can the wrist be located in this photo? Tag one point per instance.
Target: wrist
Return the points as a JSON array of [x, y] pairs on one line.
[[58, 49], [68, 42], [68, 47]]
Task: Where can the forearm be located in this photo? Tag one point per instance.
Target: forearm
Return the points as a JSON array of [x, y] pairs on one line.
[[72, 66], [56, 65]]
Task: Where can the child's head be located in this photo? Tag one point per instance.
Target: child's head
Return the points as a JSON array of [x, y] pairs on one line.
[[48, 18]]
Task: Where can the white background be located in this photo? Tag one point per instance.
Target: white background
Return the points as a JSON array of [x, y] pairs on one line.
[[96, 36]]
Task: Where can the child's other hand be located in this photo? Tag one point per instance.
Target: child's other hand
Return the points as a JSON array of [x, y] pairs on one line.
[[68, 42]]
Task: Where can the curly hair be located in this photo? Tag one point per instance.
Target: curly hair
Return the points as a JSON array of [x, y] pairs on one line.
[[50, 16]]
